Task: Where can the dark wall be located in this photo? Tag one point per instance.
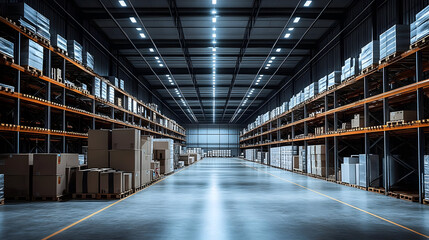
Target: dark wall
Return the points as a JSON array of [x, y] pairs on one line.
[[374, 21]]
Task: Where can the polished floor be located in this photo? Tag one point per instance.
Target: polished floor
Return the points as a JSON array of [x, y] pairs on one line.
[[224, 199]]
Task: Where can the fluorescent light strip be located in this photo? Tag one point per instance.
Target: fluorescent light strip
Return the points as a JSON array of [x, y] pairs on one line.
[[296, 19], [122, 3], [307, 3], [133, 19]]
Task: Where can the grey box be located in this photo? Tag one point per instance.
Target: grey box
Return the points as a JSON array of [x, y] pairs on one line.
[[405, 115], [88, 60], [96, 88], [75, 50], [31, 54], [374, 168], [6, 47], [59, 42]]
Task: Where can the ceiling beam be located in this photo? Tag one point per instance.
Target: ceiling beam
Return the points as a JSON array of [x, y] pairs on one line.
[[118, 13], [246, 40], [219, 71], [160, 87], [210, 99], [204, 43], [175, 14]]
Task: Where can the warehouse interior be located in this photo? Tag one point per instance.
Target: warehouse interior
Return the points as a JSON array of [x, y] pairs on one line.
[[214, 119]]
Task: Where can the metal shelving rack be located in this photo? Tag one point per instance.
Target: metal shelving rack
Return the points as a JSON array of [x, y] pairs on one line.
[[396, 84], [47, 115]]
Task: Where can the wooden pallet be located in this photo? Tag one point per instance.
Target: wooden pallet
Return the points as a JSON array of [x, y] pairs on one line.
[[57, 49], [114, 195], [84, 196], [395, 123], [1, 201], [393, 194], [6, 89], [373, 67], [426, 201], [420, 43], [19, 198], [6, 58], [376, 190], [357, 186], [33, 70], [48, 198], [412, 197], [390, 58]]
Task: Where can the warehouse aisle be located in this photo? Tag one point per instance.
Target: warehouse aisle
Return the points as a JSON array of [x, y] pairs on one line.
[[225, 199]]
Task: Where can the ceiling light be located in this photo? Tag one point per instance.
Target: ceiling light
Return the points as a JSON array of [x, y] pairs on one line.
[[214, 41], [123, 4], [287, 35], [258, 80], [214, 29], [214, 2], [261, 75], [138, 29], [214, 49], [268, 65], [170, 80], [257, 83], [151, 49], [270, 61], [179, 95], [214, 19], [214, 57], [278, 49], [157, 59], [307, 3], [214, 35], [296, 19], [290, 29], [142, 35], [172, 83], [213, 11], [272, 58], [214, 61], [161, 65], [133, 19], [167, 75]]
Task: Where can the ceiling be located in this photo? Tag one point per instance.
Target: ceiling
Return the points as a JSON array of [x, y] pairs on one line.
[[180, 34]]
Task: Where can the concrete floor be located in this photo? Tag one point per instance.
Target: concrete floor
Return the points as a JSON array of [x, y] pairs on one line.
[[225, 199]]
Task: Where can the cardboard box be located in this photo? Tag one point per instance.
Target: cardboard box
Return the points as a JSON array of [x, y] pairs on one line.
[[126, 139], [98, 158], [406, 115], [71, 159], [88, 181], [145, 168], [17, 164], [128, 181], [146, 144], [319, 149], [49, 186], [17, 186], [125, 160], [296, 162], [48, 164], [100, 139], [111, 182], [161, 154]]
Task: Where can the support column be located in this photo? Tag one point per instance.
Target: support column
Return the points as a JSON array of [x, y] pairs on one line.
[[17, 119], [63, 76], [48, 98], [420, 133], [366, 122], [386, 112], [336, 157], [326, 139]]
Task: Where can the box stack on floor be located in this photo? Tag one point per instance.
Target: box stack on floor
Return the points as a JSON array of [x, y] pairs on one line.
[[163, 152], [250, 154], [275, 156], [18, 174], [186, 159], [286, 156], [316, 162], [302, 156], [353, 170]]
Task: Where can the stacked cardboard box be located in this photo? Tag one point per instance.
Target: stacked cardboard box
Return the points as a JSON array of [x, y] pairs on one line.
[[49, 175], [59, 42], [250, 154], [96, 88], [30, 18], [73, 163], [74, 50], [334, 78], [146, 159], [302, 157], [275, 156], [369, 55], [18, 171], [404, 115], [296, 165], [99, 144], [413, 33], [88, 60], [43, 26], [349, 69], [186, 158], [395, 39], [426, 176], [103, 90], [6, 47], [126, 153], [323, 84], [357, 121], [115, 182], [31, 54], [316, 162], [88, 181], [122, 84], [422, 23], [373, 166], [111, 94], [163, 149], [348, 169]]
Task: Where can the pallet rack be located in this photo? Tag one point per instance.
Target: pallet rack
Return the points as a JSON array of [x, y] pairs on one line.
[[44, 111], [396, 84]]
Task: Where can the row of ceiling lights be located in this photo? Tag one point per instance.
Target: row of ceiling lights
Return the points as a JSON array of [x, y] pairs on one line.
[[214, 20], [158, 60], [270, 62]]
